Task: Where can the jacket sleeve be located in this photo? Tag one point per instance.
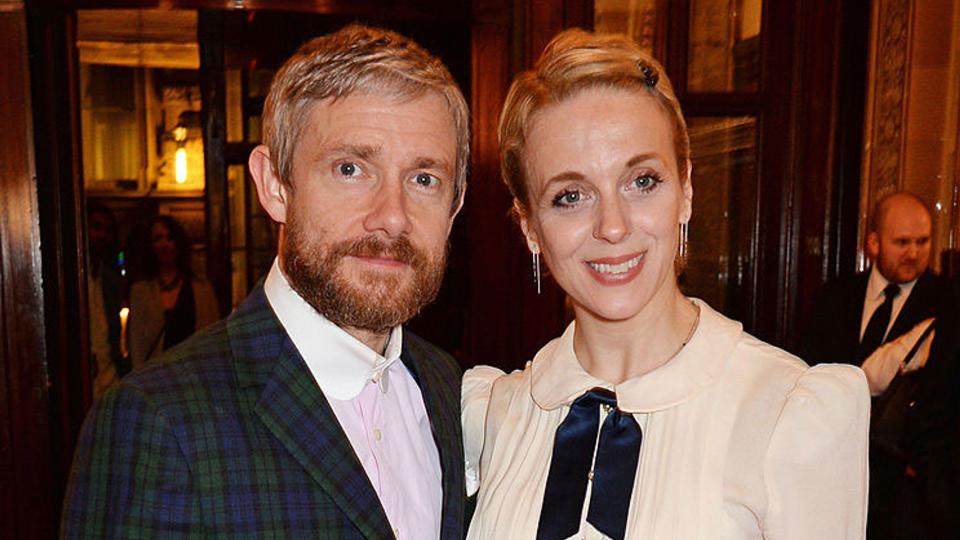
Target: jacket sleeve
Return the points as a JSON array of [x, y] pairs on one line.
[[129, 477]]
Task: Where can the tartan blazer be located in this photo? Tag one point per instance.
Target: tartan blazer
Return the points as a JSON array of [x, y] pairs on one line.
[[229, 436]]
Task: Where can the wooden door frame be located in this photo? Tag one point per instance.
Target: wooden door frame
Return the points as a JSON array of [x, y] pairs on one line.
[[26, 510]]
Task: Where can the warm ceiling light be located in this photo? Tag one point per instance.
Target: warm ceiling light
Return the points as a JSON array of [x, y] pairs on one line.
[[180, 165]]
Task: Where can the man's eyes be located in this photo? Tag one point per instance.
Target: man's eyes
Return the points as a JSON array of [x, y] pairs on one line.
[[348, 169]]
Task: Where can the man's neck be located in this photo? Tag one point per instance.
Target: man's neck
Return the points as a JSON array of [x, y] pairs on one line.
[[377, 341]]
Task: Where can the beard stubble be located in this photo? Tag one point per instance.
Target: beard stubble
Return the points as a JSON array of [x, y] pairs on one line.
[[370, 300]]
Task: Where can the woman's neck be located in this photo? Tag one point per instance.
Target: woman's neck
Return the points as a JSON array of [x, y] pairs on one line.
[[168, 273], [615, 351]]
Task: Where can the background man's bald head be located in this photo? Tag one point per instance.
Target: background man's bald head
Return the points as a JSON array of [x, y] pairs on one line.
[[904, 201]]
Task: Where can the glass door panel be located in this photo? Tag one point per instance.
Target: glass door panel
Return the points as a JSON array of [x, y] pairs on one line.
[[724, 46], [635, 18], [719, 256]]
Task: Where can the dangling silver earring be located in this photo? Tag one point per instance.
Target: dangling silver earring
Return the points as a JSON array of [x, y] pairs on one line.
[[536, 269], [682, 244]]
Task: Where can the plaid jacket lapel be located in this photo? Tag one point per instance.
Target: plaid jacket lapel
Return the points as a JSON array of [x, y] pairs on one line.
[[294, 410], [442, 401]]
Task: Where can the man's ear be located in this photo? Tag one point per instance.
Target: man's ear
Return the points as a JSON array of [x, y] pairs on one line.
[[457, 208], [873, 245], [533, 241], [273, 194]]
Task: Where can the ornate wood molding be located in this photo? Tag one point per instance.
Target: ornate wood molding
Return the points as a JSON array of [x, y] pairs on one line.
[[891, 66], [887, 87]]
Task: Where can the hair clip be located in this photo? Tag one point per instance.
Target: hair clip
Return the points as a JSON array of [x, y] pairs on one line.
[[650, 76]]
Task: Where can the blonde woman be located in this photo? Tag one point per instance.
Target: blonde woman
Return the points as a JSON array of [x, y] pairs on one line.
[[653, 416]]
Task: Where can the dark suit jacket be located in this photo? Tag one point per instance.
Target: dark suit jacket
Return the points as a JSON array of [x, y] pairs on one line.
[[898, 504], [933, 426], [229, 436], [833, 330]]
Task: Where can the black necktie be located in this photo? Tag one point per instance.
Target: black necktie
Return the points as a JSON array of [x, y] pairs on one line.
[[879, 321], [618, 453]]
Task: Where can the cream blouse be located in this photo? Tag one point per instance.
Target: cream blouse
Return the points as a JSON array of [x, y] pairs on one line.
[[740, 440]]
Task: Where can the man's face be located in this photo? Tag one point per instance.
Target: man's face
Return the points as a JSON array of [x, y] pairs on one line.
[[901, 245], [367, 219]]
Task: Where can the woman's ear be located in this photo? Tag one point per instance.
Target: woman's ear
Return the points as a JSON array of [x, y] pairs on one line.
[[273, 194], [533, 241]]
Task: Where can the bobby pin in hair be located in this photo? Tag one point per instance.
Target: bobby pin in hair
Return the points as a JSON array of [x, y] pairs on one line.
[[650, 76]]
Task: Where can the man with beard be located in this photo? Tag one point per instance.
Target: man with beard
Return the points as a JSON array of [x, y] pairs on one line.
[[310, 411], [873, 320]]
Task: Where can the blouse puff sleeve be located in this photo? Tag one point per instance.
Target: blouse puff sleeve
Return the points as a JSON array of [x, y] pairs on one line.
[[474, 400], [816, 466]]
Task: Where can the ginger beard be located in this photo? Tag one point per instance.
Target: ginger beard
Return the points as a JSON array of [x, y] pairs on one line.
[[374, 301]]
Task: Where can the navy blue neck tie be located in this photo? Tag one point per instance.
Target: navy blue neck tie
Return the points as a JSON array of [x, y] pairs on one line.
[[879, 321], [618, 453]]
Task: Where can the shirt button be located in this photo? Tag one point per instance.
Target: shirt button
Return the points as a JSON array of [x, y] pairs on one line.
[[590, 475], [396, 532], [377, 435]]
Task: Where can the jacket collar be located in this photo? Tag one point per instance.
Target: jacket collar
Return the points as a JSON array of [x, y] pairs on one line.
[[292, 407]]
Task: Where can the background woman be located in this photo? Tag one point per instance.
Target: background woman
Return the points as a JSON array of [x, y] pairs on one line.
[[172, 303], [652, 416]]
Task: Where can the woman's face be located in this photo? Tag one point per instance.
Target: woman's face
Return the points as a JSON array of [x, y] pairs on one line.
[[163, 245], [606, 199]]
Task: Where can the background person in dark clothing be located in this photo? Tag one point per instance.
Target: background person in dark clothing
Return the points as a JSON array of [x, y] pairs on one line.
[[853, 316], [105, 298]]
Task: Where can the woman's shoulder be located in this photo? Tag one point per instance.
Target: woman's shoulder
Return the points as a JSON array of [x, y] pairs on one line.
[[479, 381], [830, 395]]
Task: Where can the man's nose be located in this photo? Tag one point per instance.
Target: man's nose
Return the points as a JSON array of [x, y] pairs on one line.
[[388, 212]]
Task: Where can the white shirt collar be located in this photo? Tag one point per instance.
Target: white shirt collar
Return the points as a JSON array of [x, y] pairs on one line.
[[339, 362], [558, 378], [876, 283]]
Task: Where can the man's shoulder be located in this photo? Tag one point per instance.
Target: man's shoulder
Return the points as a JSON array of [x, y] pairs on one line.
[[842, 290], [192, 367], [436, 358], [847, 283]]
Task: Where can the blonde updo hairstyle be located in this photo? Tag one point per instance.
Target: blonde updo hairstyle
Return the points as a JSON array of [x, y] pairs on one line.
[[573, 61]]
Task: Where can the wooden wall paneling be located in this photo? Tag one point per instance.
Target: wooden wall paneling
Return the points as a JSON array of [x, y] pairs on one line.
[[774, 270], [835, 40], [817, 34], [210, 32], [492, 328], [61, 204], [26, 510]]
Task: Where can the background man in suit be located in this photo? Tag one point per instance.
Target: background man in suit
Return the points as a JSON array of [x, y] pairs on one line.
[[105, 298], [854, 316], [309, 411]]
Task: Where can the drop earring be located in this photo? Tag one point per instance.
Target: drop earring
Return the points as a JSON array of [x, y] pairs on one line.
[[682, 243], [536, 269]]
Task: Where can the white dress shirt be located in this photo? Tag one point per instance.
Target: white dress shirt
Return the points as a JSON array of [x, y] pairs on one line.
[[740, 441], [379, 406], [874, 298]]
